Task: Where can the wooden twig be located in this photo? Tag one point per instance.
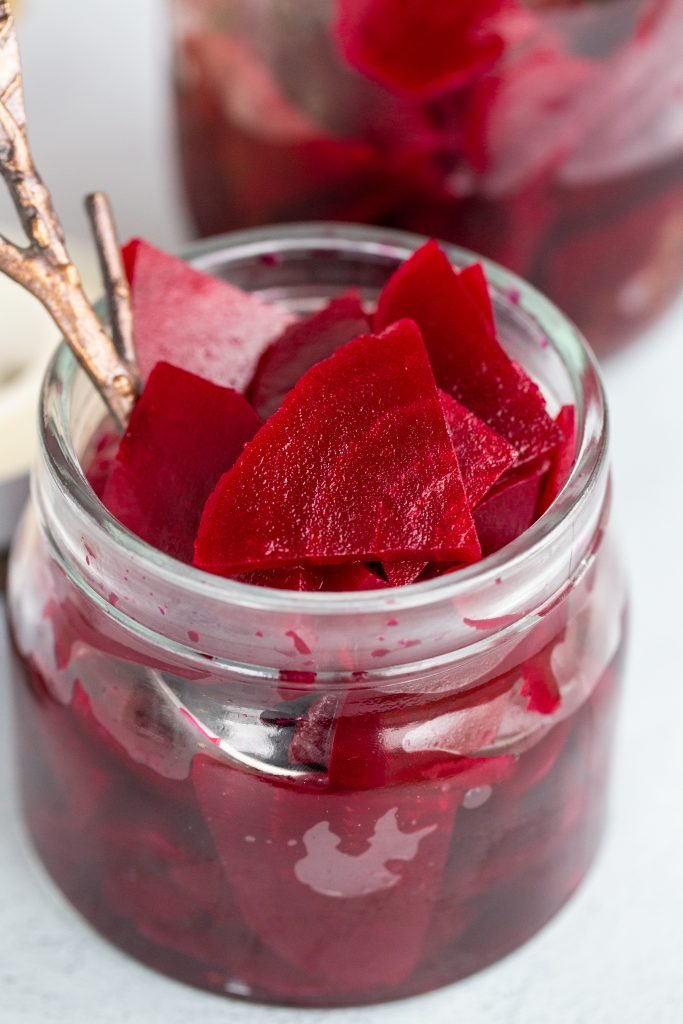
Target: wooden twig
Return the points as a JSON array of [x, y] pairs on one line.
[[44, 266], [114, 275]]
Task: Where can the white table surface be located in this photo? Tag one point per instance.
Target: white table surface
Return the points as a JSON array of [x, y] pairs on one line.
[[96, 88]]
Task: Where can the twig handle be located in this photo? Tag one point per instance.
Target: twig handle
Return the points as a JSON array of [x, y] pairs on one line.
[[114, 275]]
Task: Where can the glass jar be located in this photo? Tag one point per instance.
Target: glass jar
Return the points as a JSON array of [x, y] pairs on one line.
[[319, 799], [547, 134]]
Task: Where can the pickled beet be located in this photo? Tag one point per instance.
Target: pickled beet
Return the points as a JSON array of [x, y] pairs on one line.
[[469, 362], [356, 465], [195, 321], [483, 455], [184, 433], [416, 48], [303, 344]]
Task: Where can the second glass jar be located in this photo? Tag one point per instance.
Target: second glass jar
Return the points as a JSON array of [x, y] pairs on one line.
[[546, 134]]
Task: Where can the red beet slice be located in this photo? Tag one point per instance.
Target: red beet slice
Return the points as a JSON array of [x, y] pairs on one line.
[[302, 345], [356, 465], [184, 433], [563, 459], [510, 508], [468, 361], [312, 733], [419, 48], [540, 684], [537, 97], [352, 576], [400, 574], [299, 577], [195, 321], [341, 885], [380, 740], [483, 455]]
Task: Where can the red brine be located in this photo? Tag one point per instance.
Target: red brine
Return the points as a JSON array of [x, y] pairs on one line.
[[296, 728], [543, 133]]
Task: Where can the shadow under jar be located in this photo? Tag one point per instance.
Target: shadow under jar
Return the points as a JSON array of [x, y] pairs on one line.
[[546, 134], [320, 799]]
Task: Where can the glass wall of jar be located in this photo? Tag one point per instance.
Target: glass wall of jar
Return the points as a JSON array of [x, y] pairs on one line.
[[318, 799], [546, 134]]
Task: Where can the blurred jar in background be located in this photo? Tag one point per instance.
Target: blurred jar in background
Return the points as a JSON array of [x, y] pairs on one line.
[[547, 134]]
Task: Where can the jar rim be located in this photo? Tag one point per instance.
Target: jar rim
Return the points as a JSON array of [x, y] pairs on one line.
[[578, 360]]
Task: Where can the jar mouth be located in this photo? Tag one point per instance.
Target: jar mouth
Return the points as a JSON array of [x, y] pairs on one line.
[[544, 322]]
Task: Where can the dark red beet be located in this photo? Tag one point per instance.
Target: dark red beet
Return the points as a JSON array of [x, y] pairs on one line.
[[195, 321], [468, 361], [379, 739], [313, 732], [184, 433], [302, 345], [483, 455], [534, 98], [361, 869], [356, 465], [352, 576], [400, 574], [298, 577], [419, 48], [540, 684], [563, 459], [510, 508]]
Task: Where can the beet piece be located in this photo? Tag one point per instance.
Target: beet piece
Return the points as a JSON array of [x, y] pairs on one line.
[[419, 48], [352, 576], [383, 740], [184, 433], [537, 97], [302, 345], [510, 508], [483, 455], [338, 884], [313, 732], [356, 465], [563, 459], [195, 321], [299, 577], [540, 684], [468, 361], [400, 574]]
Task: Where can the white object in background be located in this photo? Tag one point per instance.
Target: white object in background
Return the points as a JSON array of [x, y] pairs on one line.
[[27, 339]]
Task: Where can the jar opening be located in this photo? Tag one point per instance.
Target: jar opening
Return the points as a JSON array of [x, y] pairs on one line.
[[276, 264]]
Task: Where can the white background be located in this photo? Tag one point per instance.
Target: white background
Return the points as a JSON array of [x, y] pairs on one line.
[[97, 94]]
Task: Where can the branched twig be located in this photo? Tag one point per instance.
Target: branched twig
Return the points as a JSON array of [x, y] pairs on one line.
[[44, 266]]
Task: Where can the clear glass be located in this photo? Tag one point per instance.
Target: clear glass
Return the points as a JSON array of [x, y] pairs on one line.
[[317, 799], [554, 144]]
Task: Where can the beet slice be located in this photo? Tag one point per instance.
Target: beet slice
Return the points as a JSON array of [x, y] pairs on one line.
[[195, 321], [381, 740], [298, 577], [303, 344], [510, 507], [540, 685], [339, 884], [184, 433], [356, 465], [483, 455], [468, 361], [400, 574], [352, 576], [563, 459], [419, 48]]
